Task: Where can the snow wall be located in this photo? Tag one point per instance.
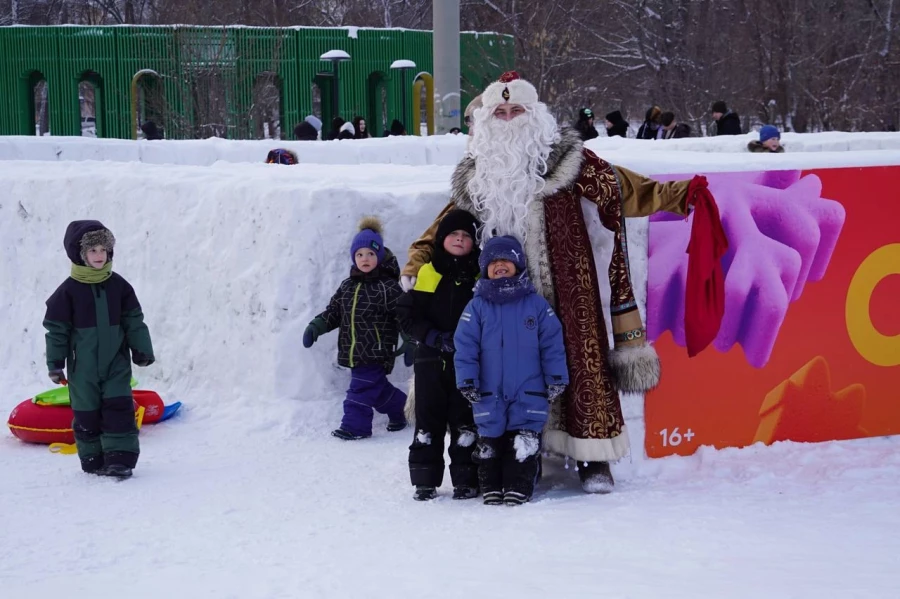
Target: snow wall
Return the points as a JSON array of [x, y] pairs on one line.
[[232, 260]]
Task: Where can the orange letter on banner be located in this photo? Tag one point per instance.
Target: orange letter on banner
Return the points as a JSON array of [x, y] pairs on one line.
[[878, 349]]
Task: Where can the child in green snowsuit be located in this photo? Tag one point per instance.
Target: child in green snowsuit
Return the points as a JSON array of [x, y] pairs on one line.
[[93, 319]]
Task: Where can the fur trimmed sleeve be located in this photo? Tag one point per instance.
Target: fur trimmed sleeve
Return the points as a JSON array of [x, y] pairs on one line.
[[421, 249]]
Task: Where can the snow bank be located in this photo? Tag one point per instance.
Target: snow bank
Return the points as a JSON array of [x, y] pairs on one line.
[[230, 263], [713, 154]]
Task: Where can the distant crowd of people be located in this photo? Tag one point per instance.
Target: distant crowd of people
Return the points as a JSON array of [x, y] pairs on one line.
[[311, 129], [663, 125]]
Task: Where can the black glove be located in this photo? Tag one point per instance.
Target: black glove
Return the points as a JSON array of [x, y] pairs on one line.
[[313, 330], [442, 341], [554, 391], [140, 359], [58, 377], [407, 349], [471, 394], [447, 344]]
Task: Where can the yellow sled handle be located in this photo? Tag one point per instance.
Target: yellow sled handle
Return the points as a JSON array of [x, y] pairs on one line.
[[70, 449]]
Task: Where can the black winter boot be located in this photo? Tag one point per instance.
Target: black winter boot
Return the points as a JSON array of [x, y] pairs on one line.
[[520, 466], [92, 464], [490, 469], [346, 435], [425, 493], [596, 477], [399, 425], [115, 471], [464, 493]]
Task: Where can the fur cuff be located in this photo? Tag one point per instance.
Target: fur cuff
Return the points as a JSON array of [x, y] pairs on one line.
[[636, 368], [409, 410]]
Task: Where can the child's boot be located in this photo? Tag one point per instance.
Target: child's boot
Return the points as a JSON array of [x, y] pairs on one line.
[[462, 492], [520, 466], [396, 425], [92, 464], [425, 493], [490, 469], [347, 435]]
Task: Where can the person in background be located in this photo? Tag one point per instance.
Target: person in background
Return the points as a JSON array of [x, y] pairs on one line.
[[727, 122], [336, 124], [769, 141], [585, 124], [650, 127], [455, 131], [469, 115], [672, 129], [397, 128], [305, 132], [281, 156], [151, 131], [316, 122], [362, 130], [347, 131], [616, 125]]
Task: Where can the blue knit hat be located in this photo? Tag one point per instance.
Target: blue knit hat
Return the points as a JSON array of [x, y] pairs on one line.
[[768, 132], [369, 236], [505, 247]]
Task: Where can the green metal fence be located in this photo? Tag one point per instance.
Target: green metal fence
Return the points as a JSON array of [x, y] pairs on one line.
[[234, 82]]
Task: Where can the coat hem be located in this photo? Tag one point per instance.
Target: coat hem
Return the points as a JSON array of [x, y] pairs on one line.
[[587, 450]]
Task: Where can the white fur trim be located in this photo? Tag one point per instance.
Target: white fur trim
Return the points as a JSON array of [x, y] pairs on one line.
[[536, 252], [409, 410], [587, 450], [637, 369], [520, 92]]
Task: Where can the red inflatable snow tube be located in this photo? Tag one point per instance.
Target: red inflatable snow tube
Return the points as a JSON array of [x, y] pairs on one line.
[[35, 423]]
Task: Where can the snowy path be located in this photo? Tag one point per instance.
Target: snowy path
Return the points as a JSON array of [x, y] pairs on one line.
[[310, 516]]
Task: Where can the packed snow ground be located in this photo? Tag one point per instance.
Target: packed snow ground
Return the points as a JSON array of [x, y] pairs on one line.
[[245, 494]]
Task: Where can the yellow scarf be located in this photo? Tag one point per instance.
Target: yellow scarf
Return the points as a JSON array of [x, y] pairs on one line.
[[86, 274]]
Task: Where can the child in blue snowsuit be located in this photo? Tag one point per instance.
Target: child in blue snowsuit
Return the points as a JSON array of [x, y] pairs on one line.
[[364, 309], [510, 364]]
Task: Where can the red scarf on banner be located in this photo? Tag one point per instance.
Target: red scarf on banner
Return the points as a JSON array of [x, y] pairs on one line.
[[704, 302]]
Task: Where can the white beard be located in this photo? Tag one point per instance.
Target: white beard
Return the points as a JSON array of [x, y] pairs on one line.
[[510, 161]]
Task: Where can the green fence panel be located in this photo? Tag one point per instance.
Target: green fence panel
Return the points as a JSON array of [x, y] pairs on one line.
[[152, 50], [234, 82], [88, 54], [31, 56]]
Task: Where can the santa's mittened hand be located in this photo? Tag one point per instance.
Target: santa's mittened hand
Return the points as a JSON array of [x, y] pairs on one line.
[[471, 394], [554, 391], [407, 282], [58, 377]]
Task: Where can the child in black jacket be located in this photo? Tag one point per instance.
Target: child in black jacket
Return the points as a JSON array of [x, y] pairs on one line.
[[364, 308], [429, 314]]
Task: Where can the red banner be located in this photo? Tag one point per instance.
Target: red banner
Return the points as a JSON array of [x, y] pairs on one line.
[[809, 348]]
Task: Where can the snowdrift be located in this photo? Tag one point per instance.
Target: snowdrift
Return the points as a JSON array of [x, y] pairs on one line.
[[445, 150], [230, 264]]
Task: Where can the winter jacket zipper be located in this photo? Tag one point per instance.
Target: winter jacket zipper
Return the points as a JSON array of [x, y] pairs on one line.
[[353, 322]]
